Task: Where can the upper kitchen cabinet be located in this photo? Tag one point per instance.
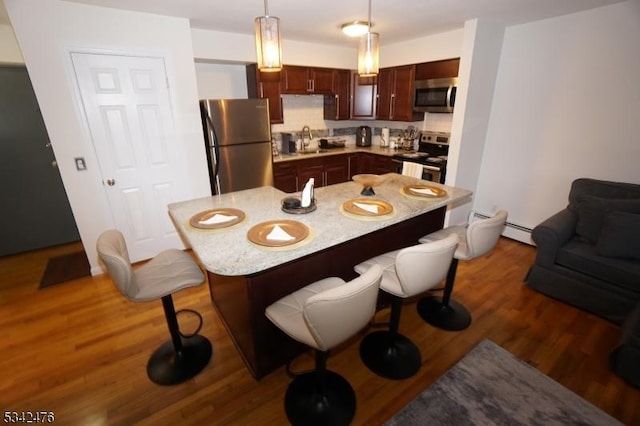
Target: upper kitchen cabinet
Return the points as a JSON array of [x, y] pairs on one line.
[[363, 101], [298, 80], [395, 94], [266, 85], [336, 106], [438, 69]]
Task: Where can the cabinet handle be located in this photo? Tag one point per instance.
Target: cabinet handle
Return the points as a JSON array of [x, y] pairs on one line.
[[392, 106], [297, 186], [337, 106]]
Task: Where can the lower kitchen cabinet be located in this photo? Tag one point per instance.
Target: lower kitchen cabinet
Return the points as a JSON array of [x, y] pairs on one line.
[[290, 176], [375, 164], [285, 177]]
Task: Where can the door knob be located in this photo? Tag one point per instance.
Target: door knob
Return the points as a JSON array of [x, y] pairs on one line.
[[111, 182]]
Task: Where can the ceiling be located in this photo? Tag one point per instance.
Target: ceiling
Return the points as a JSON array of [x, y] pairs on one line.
[[319, 21]]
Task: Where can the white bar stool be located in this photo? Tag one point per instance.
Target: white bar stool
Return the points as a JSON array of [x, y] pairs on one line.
[[183, 357], [322, 315], [476, 239], [407, 272]]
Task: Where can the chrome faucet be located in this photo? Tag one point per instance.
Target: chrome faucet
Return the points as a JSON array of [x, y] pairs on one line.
[[307, 130]]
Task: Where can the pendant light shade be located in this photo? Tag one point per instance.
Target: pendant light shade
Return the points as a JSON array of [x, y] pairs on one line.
[[369, 55], [369, 52], [268, 43]]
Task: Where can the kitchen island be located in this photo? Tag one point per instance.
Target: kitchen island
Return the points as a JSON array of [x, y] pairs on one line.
[[245, 278]]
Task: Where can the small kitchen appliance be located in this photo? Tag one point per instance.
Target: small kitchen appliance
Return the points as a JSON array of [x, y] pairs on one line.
[[437, 95], [288, 143], [363, 136]]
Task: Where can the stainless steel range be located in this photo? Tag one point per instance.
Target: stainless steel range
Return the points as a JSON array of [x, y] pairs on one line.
[[433, 149]]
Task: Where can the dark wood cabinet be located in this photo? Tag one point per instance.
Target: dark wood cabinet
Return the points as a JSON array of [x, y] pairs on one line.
[[438, 69], [266, 85], [285, 177], [336, 169], [337, 105], [395, 94], [298, 80], [353, 164], [376, 164], [308, 169], [363, 97], [290, 176]]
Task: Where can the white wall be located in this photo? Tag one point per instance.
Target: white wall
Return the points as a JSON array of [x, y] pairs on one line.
[[425, 49], [566, 105], [221, 81], [47, 30], [241, 48], [9, 50], [476, 81]]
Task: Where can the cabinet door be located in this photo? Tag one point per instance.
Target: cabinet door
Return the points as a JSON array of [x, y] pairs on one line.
[[438, 69], [382, 164], [366, 163], [363, 102], [403, 83], [385, 94], [266, 85], [353, 165], [321, 80], [395, 94], [295, 80], [336, 169], [271, 91], [307, 171], [285, 177], [336, 106]]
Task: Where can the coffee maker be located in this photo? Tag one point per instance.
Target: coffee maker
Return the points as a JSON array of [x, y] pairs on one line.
[[363, 136]]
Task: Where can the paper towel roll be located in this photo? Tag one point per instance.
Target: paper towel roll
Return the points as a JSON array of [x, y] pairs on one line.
[[384, 137]]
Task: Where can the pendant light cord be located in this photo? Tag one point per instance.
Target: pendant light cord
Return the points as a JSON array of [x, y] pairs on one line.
[[266, 8], [368, 20]]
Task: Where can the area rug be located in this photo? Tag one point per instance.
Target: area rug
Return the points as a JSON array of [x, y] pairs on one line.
[[490, 386], [65, 268]]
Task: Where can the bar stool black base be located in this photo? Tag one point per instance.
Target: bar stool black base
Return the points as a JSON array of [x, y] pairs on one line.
[[166, 367], [454, 317], [390, 356], [305, 404]]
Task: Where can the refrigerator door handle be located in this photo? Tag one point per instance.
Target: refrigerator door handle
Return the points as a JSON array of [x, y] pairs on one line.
[[215, 152]]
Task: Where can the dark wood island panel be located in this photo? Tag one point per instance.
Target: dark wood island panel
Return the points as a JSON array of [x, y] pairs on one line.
[[241, 300]]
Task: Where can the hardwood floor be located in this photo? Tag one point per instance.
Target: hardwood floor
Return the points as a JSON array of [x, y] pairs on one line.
[[79, 349]]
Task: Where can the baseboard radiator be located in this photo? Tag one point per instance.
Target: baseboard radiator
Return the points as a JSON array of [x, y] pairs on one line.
[[511, 230]]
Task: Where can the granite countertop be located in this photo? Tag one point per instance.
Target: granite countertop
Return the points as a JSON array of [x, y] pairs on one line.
[[348, 149], [228, 251]]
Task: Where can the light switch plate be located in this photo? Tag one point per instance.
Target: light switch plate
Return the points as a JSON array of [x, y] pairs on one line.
[[80, 163]]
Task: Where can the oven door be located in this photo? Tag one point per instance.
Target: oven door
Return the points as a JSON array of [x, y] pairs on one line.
[[430, 173]]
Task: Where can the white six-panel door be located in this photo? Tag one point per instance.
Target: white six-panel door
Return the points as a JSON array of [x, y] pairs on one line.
[[128, 110]]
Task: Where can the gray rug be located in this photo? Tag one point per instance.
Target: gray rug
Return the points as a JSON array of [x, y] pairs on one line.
[[489, 386]]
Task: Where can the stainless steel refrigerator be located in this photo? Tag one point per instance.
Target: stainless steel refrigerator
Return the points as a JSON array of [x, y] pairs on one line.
[[237, 136]]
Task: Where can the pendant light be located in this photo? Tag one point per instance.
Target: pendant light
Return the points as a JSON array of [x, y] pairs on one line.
[[369, 51], [268, 43]]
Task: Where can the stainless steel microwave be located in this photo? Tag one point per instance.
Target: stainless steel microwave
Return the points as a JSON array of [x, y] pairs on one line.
[[437, 95]]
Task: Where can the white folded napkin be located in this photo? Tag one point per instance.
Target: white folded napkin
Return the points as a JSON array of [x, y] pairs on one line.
[[279, 234], [372, 208], [425, 191], [216, 219]]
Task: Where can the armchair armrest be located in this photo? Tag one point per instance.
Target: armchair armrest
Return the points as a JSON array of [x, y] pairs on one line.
[[552, 234]]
